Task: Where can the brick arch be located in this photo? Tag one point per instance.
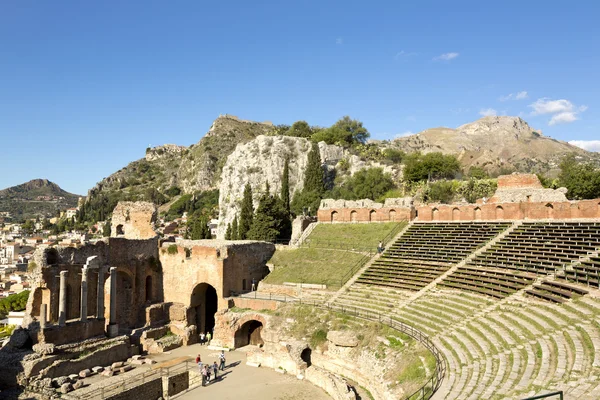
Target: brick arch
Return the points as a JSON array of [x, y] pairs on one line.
[[455, 214], [248, 329], [353, 216], [334, 216], [393, 215], [435, 214], [499, 212], [598, 209], [477, 213], [372, 215]]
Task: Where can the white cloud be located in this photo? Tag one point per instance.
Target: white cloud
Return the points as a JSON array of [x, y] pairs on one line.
[[487, 112], [563, 110], [404, 134], [445, 57], [589, 145], [563, 118], [402, 55], [514, 96], [339, 41], [521, 95]]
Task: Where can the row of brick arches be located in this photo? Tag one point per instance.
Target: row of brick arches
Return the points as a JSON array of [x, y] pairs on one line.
[[373, 216], [457, 213]]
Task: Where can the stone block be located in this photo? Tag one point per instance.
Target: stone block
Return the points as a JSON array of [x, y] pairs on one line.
[[44, 348], [85, 373], [66, 388], [73, 377], [126, 368], [108, 372], [138, 362], [78, 385], [117, 365], [97, 370], [149, 361]]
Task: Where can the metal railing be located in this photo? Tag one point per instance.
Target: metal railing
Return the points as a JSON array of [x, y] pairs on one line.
[[433, 383], [545, 396], [132, 382]]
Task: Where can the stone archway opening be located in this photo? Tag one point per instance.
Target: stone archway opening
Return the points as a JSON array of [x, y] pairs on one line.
[[120, 230], [353, 216], [249, 333], [455, 214], [499, 212], [51, 257], [205, 303], [334, 216], [477, 214], [549, 211], [435, 214], [42, 296], [305, 356], [372, 215], [393, 215]]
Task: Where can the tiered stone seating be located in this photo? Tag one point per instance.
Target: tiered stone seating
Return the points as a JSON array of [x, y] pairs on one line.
[[557, 291], [588, 272], [491, 281], [542, 247], [427, 250]]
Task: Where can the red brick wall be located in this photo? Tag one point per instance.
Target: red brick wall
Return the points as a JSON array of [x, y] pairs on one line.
[[510, 211], [365, 214]]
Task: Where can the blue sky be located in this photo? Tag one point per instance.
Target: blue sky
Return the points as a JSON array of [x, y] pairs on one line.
[[85, 87]]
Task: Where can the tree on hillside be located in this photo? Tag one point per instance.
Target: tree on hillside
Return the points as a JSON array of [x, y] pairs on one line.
[[271, 221], [419, 167], [345, 132], [314, 187], [228, 232], [371, 183], [581, 179], [285, 186], [106, 229], [300, 129], [246, 213], [197, 227], [234, 229]]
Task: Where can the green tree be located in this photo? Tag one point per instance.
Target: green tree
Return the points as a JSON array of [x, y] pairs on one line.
[[581, 179], [285, 186], [478, 173], [106, 229], [346, 131], [197, 227], [271, 221], [313, 176], [234, 229], [246, 213], [300, 129], [228, 232], [419, 167]]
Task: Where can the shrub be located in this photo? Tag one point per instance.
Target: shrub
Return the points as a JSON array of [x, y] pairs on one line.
[[172, 249]]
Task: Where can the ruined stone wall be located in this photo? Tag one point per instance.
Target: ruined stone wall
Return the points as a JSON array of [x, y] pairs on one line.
[[151, 389], [221, 264], [73, 331], [510, 211], [133, 220], [517, 181], [255, 304]]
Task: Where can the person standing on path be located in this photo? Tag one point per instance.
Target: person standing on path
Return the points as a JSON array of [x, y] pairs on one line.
[[199, 362], [204, 376], [215, 369], [222, 360], [208, 337]]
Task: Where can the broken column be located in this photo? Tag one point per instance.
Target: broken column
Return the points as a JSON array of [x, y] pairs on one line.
[[84, 294], [62, 302], [113, 327], [100, 301], [43, 313]]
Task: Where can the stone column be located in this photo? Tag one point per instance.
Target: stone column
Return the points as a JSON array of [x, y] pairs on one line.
[[84, 294], [62, 302], [113, 327], [43, 314], [100, 301]]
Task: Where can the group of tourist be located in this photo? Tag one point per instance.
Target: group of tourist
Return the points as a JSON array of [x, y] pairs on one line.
[[205, 338], [207, 371]]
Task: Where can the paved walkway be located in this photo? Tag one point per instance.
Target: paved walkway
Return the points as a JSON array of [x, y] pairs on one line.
[[240, 381]]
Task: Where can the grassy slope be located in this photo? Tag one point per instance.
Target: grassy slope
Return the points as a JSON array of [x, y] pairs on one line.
[[311, 265], [323, 265]]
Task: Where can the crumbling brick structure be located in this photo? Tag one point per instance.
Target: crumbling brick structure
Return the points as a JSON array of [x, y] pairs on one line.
[[365, 210]]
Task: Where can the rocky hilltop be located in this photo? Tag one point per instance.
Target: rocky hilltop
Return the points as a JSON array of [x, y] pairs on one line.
[[495, 143], [36, 198], [193, 168]]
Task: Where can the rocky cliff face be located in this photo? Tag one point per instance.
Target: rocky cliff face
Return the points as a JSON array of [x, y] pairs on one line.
[[261, 161], [494, 143]]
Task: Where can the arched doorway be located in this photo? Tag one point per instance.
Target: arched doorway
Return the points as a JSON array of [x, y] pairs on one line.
[[205, 303], [499, 212], [149, 289], [372, 215], [477, 214], [334, 216], [353, 216], [124, 299], [120, 230], [305, 356], [42, 296], [434, 214], [455, 214], [249, 333], [549, 211], [393, 215]]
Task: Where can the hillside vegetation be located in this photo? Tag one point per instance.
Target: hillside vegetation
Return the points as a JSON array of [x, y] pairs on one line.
[[36, 198]]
